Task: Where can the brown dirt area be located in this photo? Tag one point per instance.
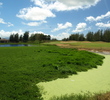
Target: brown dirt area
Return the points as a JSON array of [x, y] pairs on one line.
[[103, 51], [105, 96]]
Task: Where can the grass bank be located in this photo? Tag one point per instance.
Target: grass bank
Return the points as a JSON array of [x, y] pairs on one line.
[[86, 96], [21, 68], [100, 46]]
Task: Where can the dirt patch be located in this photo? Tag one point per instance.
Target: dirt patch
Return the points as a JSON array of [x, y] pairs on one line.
[[75, 42], [105, 96], [69, 41], [64, 45], [102, 51]]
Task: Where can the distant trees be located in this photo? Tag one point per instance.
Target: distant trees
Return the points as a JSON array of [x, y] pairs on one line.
[[90, 36], [106, 35], [39, 37], [100, 35], [25, 37], [21, 38], [54, 39], [14, 37], [76, 37]]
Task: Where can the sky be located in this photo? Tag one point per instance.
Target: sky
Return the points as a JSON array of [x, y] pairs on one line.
[[57, 18]]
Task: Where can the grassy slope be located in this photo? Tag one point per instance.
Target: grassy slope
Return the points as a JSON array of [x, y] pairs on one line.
[[92, 45], [23, 67], [83, 45]]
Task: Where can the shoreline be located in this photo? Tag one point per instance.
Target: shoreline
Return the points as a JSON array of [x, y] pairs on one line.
[[100, 52]]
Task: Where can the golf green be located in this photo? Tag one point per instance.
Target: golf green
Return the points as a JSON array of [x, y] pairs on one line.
[[94, 81]]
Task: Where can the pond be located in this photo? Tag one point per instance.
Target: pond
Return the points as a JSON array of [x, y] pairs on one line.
[[13, 45]]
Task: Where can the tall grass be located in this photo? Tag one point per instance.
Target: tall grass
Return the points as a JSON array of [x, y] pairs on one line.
[[21, 68], [86, 96]]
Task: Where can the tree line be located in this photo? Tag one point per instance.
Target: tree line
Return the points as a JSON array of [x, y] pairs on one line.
[[25, 37], [100, 35]]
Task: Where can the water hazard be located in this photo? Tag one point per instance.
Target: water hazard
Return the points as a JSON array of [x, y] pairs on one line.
[[13, 45]]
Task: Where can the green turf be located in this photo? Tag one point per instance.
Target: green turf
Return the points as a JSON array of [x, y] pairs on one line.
[[84, 44], [94, 45], [21, 68]]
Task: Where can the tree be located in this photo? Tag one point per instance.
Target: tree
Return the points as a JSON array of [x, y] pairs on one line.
[[106, 36], [11, 38], [47, 37], [98, 36], [39, 37], [32, 37], [26, 36], [54, 39], [21, 38], [90, 36], [74, 37], [16, 37], [65, 39], [81, 37]]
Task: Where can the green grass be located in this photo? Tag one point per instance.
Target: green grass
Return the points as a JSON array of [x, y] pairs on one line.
[[21, 68], [84, 45], [92, 45]]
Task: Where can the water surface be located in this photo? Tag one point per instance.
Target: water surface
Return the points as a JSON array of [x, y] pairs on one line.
[[13, 45]]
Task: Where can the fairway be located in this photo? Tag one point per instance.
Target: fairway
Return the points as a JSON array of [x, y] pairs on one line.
[[85, 45], [93, 81]]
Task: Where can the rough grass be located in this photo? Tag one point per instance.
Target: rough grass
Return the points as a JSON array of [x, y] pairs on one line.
[[92, 45], [21, 68], [87, 96], [100, 46]]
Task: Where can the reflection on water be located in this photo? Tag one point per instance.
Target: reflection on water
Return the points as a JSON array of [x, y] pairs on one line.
[[13, 45]]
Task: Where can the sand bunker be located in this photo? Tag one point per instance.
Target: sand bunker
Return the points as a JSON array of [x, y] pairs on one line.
[[94, 81]]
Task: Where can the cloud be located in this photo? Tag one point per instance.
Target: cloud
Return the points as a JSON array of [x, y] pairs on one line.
[[62, 26], [34, 14], [2, 21], [62, 5], [1, 3], [43, 8], [103, 25], [98, 18], [80, 27], [61, 36], [34, 23], [7, 23], [6, 34]]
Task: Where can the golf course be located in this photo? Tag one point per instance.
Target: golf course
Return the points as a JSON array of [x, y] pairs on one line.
[[54, 50], [55, 71]]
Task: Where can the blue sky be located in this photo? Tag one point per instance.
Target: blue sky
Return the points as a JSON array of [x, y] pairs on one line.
[[58, 18]]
